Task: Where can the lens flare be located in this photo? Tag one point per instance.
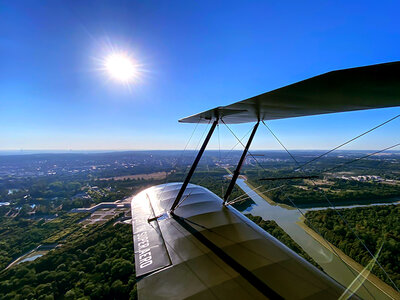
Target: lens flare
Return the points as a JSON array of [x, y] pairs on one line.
[[121, 67]]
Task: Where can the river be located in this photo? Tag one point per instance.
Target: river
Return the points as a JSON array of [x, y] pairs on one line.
[[287, 218], [35, 253]]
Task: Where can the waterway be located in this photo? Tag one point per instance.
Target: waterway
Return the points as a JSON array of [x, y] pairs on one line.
[[35, 253], [31, 258], [288, 219]]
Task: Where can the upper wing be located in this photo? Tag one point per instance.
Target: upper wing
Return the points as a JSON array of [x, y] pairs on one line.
[[374, 86]]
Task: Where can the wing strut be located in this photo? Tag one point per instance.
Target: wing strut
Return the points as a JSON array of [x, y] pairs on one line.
[[239, 166], [194, 166]]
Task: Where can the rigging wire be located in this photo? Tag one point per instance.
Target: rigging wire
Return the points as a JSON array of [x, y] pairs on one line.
[[293, 202], [197, 146], [290, 154], [220, 161], [354, 272], [180, 156], [333, 250], [188, 195], [343, 144], [360, 158], [357, 236], [244, 195], [239, 141], [255, 193], [187, 144], [334, 207], [204, 177]]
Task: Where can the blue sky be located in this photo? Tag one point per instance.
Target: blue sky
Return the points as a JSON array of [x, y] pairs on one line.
[[195, 55]]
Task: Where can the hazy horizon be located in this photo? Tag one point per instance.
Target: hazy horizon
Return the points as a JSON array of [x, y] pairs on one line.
[[63, 151]]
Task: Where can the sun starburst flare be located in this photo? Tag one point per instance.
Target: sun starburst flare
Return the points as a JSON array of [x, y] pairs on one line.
[[121, 67]]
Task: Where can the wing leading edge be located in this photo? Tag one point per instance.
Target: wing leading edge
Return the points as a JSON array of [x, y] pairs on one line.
[[374, 86]]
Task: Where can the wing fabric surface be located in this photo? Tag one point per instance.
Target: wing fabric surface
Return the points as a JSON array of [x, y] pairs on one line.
[[375, 86], [214, 252]]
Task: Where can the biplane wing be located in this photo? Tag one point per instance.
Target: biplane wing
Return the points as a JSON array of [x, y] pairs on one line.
[[212, 251], [374, 86], [190, 245]]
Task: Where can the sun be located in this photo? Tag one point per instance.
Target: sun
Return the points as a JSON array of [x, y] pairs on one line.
[[121, 67]]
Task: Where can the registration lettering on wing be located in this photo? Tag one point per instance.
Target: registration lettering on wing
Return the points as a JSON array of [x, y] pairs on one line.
[[150, 251]]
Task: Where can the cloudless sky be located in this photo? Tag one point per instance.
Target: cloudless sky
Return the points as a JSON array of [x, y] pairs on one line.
[[195, 55]]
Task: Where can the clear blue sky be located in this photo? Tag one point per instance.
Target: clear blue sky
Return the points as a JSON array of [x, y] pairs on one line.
[[195, 55]]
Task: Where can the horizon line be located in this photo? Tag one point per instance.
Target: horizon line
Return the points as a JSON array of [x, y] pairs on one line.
[[137, 150]]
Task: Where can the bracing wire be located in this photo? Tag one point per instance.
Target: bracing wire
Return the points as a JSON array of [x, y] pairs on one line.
[[292, 201], [283, 146], [247, 196], [188, 195], [360, 158], [333, 250], [228, 153], [332, 205], [180, 156], [220, 161], [239, 141], [184, 198], [244, 247], [330, 246], [357, 236], [197, 146], [244, 195], [187, 144], [345, 143]]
